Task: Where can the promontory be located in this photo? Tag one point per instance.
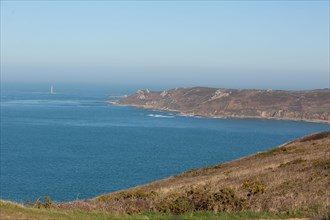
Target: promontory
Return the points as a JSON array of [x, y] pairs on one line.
[[306, 105]]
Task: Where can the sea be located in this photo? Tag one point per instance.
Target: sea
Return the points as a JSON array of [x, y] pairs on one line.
[[74, 145]]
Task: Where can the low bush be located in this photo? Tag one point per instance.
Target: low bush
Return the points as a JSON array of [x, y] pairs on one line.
[[254, 186], [325, 164], [175, 203], [201, 198], [47, 203], [275, 151]]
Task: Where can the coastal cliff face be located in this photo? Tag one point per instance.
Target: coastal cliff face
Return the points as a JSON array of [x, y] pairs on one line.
[[312, 105]]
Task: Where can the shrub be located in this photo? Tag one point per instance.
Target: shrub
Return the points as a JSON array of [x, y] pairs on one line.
[[226, 200], [325, 164], [275, 151], [223, 200], [39, 204], [315, 136], [202, 198], [175, 203], [254, 186]]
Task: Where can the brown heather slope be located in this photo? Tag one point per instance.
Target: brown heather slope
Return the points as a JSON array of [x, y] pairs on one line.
[[293, 176], [312, 105]]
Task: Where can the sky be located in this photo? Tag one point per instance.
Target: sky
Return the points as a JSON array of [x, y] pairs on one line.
[[228, 44]]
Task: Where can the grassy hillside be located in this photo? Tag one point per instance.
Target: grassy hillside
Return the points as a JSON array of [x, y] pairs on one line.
[[292, 180], [14, 211], [294, 176]]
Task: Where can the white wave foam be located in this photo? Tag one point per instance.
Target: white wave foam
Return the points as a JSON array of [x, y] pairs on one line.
[[192, 116], [160, 116]]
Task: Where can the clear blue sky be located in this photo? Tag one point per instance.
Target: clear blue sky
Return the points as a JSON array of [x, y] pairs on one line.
[[240, 44]]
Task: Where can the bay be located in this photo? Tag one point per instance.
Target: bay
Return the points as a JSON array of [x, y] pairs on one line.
[[74, 145]]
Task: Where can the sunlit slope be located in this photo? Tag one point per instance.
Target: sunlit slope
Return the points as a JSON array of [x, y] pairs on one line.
[[290, 177], [309, 105]]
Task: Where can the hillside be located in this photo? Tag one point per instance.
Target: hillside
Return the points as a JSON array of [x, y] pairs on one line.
[[294, 176], [15, 211], [312, 105]]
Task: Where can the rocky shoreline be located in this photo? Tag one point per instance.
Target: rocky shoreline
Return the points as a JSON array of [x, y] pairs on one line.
[[184, 114]]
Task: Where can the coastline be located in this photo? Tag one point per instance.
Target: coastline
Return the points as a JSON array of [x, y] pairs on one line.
[[186, 114]]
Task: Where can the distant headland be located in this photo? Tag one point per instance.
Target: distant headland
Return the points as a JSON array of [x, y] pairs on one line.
[[306, 105]]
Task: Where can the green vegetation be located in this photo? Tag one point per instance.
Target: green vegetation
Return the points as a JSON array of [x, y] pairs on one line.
[[275, 151], [193, 199], [39, 204], [14, 211], [201, 198], [254, 186], [9, 210], [325, 164], [313, 137]]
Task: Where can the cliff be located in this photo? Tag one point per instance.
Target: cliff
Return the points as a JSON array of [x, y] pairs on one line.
[[312, 105]]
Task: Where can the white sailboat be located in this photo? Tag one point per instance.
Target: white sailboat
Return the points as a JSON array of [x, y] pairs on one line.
[[52, 89]]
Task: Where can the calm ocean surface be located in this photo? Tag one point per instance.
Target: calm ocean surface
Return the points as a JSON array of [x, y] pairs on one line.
[[73, 145]]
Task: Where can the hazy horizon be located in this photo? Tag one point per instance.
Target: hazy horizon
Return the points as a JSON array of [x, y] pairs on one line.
[[167, 44]]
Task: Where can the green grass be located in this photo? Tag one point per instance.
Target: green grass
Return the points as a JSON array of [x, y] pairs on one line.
[[10, 210], [275, 151], [17, 212]]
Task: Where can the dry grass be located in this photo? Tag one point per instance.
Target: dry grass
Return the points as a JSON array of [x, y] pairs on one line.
[[291, 177]]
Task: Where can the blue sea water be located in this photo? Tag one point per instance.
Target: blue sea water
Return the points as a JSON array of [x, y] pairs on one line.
[[74, 145]]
